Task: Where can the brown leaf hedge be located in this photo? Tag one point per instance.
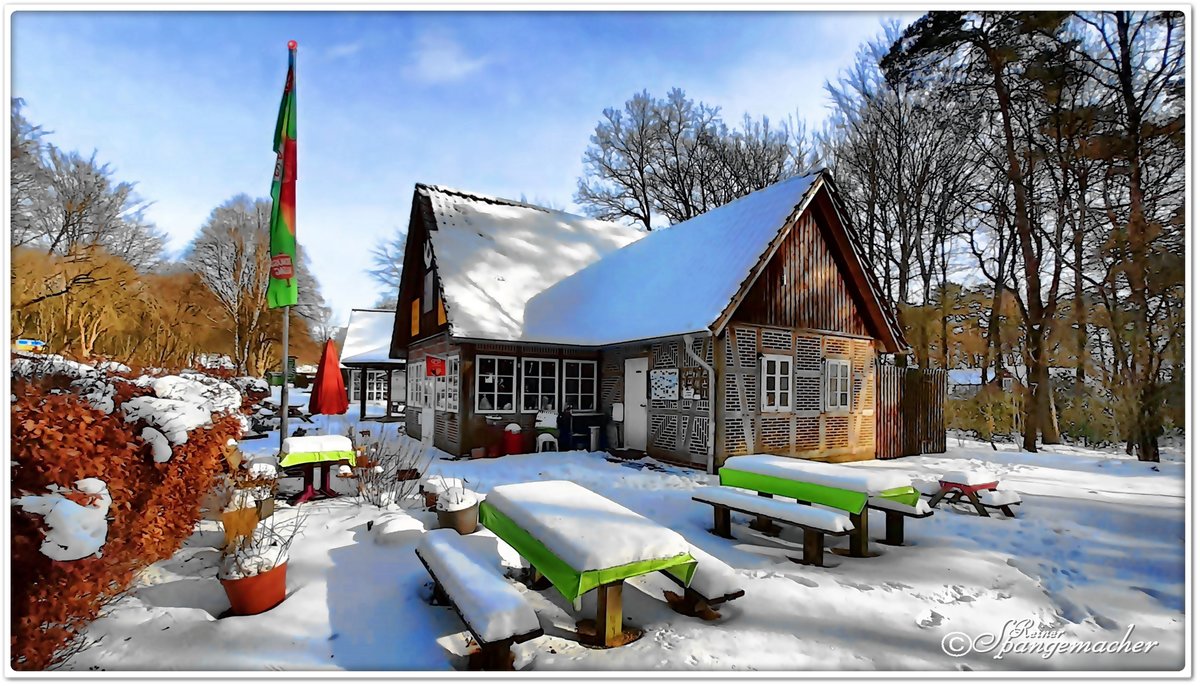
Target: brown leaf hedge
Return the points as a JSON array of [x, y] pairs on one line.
[[58, 438]]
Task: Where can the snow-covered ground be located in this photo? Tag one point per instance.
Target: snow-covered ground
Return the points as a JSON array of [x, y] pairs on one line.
[[1098, 546]]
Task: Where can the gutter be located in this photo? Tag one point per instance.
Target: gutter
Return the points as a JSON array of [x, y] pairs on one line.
[[712, 390]]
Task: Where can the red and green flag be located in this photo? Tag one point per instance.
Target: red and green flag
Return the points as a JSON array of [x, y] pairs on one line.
[[282, 290]]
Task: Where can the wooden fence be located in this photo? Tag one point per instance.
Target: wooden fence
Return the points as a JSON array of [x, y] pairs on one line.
[[910, 416]]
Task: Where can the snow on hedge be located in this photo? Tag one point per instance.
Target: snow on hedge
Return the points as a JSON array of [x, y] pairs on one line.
[[174, 418], [73, 531]]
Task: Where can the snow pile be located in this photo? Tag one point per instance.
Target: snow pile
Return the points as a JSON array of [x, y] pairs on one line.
[[73, 531], [250, 384], [493, 255], [212, 394], [174, 418], [454, 500], [970, 477], [681, 277], [468, 567], [863, 478], [160, 446], [584, 529], [89, 382]]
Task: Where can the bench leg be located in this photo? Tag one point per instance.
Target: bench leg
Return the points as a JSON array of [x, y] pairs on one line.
[[895, 528], [439, 594], [493, 657], [978, 505], [937, 497], [721, 521], [1007, 511], [536, 581], [608, 614], [814, 548], [763, 523]]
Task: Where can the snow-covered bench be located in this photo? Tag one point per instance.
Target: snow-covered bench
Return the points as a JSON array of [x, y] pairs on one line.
[[713, 583], [466, 575], [980, 488], [816, 522]]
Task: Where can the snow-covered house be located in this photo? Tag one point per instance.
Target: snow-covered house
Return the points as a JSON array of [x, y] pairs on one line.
[[754, 327], [372, 376], [965, 382]]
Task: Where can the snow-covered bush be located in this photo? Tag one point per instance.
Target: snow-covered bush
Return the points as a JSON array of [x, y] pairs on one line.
[[390, 468], [266, 549], [96, 497]]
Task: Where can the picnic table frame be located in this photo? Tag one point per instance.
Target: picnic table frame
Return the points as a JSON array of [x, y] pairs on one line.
[[545, 565], [855, 503]]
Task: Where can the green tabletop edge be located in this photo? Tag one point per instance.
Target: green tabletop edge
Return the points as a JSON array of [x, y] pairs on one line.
[[569, 582], [293, 459]]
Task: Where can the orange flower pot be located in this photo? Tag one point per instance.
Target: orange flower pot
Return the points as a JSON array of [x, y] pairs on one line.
[[253, 595]]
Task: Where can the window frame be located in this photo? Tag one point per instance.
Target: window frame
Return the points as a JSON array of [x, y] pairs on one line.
[[556, 391], [428, 286], [453, 383], [414, 373], [496, 393], [826, 401], [777, 376], [595, 394]]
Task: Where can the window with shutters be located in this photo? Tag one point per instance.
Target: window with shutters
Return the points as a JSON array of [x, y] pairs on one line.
[[776, 383]]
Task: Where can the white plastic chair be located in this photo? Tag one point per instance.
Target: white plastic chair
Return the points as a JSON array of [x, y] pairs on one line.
[[544, 440]]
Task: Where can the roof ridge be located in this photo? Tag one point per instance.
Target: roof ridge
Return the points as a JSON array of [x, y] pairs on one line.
[[494, 199]]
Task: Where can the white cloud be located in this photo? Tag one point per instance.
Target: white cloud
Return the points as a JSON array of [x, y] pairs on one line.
[[344, 50], [437, 58]]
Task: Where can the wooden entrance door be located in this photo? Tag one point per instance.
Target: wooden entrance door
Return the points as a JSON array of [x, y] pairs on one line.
[[636, 413]]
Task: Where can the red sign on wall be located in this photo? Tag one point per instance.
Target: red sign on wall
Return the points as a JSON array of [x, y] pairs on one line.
[[435, 366]]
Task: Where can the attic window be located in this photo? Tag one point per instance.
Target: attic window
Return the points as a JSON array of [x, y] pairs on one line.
[[427, 293]]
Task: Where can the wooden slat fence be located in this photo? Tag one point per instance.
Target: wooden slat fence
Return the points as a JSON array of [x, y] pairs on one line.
[[910, 411]]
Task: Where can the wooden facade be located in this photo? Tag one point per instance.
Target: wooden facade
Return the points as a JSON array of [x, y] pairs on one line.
[[808, 306], [911, 417]]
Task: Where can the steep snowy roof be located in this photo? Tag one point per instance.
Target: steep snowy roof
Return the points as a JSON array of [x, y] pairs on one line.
[[368, 337], [675, 280], [493, 255]]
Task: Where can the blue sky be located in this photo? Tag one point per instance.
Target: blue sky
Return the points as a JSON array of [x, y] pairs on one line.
[[184, 104]]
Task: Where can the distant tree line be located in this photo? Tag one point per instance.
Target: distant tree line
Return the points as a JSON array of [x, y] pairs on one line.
[[1015, 178], [91, 275]]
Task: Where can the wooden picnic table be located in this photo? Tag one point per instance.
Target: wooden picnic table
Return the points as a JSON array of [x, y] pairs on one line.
[[295, 411], [579, 540], [851, 489]]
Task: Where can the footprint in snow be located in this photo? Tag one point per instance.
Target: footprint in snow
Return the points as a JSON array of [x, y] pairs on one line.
[[929, 619]]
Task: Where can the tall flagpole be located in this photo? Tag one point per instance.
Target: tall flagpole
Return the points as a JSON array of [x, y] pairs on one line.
[[283, 393], [282, 290]]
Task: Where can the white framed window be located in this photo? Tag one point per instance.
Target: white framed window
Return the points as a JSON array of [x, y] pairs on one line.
[[445, 388], [1007, 384], [539, 384], [452, 383], [579, 385], [837, 385], [495, 383], [776, 383], [427, 389], [416, 374]]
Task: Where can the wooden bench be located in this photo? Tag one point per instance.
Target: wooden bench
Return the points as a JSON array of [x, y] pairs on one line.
[[816, 522], [713, 583], [894, 515], [466, 575]]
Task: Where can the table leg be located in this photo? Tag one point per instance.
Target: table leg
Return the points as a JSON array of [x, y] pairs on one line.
[[978, 505], [858, 538], [764, 524], [937, 497], [895, 528], [608, 614], [721, 521], [308, 493], [326, 487]]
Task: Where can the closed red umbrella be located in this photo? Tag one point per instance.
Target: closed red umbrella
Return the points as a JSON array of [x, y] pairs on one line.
[[328, 390]]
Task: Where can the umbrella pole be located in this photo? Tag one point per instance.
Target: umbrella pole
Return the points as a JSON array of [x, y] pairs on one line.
[[283, 389]]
